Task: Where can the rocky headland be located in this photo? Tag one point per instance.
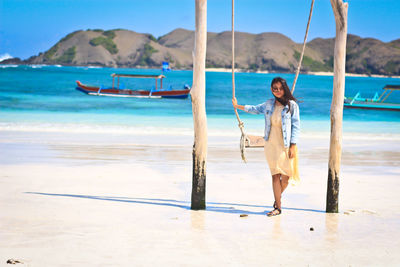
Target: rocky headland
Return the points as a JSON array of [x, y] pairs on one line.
[[271, 52]]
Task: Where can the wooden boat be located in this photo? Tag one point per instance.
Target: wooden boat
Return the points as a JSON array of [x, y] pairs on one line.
[[120, 92], [377, 102]]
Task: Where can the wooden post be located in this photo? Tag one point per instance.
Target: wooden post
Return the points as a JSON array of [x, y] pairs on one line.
[[197, 94], [335, 149]]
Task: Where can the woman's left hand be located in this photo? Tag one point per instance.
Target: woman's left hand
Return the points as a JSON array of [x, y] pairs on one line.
[[292, 151]]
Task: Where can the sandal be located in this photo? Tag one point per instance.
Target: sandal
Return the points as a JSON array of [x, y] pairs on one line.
[[275, 206], [274, 213]]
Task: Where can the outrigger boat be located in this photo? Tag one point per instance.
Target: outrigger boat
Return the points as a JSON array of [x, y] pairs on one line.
[[121, 92], [377, 102]]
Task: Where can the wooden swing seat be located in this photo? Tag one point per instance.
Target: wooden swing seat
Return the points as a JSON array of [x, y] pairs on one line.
[[254, 141]]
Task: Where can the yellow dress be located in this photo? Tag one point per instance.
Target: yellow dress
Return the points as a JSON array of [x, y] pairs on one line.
[[276, 153]]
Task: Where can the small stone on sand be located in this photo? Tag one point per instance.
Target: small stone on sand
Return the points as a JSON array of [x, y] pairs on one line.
[[311, 228], [348, 212], [243, 215], [369, 211], [12, 261]]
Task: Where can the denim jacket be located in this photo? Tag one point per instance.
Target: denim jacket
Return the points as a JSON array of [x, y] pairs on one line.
[[290, 120]]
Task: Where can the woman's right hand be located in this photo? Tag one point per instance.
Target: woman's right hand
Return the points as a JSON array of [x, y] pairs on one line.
[[234, 102]]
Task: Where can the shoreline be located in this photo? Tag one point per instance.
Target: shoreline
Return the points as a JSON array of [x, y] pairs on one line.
[[228, 132], [21, 146], [322, 73], [316, 73], [223, 70]]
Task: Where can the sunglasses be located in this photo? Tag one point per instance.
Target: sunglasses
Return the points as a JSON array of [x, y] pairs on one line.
[[276, 89]]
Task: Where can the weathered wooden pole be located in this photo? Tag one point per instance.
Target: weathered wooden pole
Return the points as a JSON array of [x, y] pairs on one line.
[[197, 94], [335, 149]]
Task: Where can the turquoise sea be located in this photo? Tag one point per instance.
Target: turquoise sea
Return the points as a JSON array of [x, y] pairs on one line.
[[44, 98]]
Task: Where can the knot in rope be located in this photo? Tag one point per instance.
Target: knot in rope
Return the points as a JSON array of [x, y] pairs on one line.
[[243, 139]]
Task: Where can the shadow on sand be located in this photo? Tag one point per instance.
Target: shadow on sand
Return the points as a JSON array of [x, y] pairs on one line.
[[232, 208]]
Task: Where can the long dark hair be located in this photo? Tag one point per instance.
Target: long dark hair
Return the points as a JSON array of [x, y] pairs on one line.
[[287, 94]]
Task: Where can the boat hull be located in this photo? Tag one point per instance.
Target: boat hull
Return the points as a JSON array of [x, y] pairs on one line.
[[377, 102], [93, 90], [372, 105]]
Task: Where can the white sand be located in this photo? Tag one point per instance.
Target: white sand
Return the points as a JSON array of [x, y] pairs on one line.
[[120, 200]]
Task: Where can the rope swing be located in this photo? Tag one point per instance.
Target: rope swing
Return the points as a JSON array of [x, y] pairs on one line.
[[252, 141]]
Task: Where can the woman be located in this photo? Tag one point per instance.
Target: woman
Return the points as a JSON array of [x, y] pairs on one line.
[[282, 127]]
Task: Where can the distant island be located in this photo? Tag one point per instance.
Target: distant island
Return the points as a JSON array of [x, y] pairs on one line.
[[272, 52]]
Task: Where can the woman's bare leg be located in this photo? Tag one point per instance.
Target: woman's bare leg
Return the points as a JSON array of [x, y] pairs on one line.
[[277, 188], [279, 184], [284, 182]]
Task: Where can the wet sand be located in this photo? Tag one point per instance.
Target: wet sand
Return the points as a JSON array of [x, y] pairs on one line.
[[123, 200]]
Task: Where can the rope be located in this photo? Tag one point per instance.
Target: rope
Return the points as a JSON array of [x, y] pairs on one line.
[[244, 138], [304, 47]]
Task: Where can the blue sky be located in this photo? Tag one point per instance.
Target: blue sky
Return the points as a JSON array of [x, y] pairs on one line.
[[28, 27]]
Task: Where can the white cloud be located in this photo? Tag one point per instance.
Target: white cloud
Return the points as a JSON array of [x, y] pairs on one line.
[[5, 56]]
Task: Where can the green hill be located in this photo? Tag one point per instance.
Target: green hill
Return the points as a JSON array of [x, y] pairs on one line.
[[265, 51]]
